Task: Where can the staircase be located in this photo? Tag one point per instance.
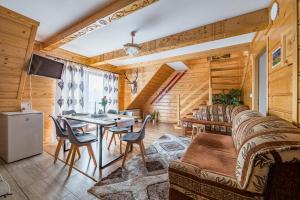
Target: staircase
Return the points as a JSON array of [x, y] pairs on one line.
[[158, 78]]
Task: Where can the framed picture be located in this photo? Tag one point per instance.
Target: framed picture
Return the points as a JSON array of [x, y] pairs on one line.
[[276, 57]]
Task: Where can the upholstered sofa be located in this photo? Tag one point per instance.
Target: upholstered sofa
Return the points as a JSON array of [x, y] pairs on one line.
[[259, 161], [216, 118]]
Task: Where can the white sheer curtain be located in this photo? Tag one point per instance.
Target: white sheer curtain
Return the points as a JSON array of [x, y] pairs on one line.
[[82, 88]]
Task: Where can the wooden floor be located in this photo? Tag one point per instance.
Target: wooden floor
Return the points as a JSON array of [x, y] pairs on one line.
[[38, 178]]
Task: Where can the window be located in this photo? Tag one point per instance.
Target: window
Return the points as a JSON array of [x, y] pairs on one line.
[[81, 89]]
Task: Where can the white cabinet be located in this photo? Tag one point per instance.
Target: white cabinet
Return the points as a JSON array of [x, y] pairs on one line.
[[21, 135]]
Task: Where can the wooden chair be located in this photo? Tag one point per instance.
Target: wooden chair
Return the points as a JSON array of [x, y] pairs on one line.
[[136, 138], [78, 141], [61, 135]]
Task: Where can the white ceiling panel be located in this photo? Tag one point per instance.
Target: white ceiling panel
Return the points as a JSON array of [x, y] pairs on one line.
[[161, 19], [54, 15], [246, 38]]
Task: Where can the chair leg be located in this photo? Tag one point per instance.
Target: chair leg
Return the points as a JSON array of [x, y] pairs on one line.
[[120, 146], [91, 153], [142, 152], [111, 139], [58, 147], [126, 153], [69, 154], [193, 132], [72, 159], [78, 152], [115, 140]]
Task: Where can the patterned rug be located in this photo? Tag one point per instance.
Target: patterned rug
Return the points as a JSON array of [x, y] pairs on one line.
[[137, 182]]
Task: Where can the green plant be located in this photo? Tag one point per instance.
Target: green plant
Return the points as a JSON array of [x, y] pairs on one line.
[[104, 102], [154, 115], [231, 98]]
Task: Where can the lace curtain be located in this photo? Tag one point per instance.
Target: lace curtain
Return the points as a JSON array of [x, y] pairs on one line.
[[82, 88]]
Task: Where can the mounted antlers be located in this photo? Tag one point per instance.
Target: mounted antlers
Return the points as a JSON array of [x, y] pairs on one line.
[[134, 82]]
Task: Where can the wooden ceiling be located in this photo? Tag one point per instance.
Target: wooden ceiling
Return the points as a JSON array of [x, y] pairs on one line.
[[246, 23]]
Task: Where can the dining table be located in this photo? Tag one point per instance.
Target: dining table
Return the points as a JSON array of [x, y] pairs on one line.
[[101, 121]]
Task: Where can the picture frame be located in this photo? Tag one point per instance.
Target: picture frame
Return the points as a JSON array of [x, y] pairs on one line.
[[276, 57]]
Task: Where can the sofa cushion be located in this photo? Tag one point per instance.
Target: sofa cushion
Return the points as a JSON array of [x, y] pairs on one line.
[[214, 153], [238, 125], [260, 142]]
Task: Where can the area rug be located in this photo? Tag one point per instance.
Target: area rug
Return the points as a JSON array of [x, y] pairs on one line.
[[137, 182]]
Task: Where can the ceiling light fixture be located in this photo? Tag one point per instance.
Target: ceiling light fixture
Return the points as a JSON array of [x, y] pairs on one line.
[[132, 49]]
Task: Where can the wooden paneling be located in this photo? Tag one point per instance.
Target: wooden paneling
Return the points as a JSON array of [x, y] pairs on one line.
[[227, 74], [281, 80], [192, 89], [16, 43], [41, 91], [17, 35], [149, 87]]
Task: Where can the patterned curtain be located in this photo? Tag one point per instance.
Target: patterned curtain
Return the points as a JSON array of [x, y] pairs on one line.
[[110, 83], [82, 88]]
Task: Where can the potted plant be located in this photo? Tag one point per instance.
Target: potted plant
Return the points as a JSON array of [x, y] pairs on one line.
[[104, 102], [154, 117], [231, 98]]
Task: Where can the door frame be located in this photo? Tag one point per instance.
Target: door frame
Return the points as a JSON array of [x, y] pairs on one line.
[[255, 78]]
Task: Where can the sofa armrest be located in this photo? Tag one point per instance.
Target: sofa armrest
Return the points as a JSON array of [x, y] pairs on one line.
[[190, 182]]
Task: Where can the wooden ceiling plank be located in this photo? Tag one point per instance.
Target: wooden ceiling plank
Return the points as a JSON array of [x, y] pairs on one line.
[[99, 19], [243, 24]]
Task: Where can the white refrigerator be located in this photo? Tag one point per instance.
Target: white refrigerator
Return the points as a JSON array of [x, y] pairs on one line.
[[21, 135]]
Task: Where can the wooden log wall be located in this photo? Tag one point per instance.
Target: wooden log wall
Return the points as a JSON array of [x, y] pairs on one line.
[[193, 87], [17, 35], [145, 75], [282, 79]]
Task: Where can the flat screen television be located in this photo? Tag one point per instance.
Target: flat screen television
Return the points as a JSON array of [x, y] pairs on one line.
[[42, 66]]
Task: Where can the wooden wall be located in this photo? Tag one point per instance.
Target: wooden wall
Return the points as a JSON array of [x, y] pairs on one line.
[[42, 91], [192, 88], [125, 95], [281, 80], [17, 35]]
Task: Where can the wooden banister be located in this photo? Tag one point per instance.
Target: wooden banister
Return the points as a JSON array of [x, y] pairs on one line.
[[169, 86]]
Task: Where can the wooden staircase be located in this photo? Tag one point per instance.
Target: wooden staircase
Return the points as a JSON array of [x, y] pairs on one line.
[[158, 78]]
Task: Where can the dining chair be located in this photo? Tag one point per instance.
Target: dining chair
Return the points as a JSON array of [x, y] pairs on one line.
[[74, 124], [106, 128], [136, 138], [78, 141], [61, 135], [117, 131]]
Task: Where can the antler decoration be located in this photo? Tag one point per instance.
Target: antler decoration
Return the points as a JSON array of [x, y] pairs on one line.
[[133, 83]]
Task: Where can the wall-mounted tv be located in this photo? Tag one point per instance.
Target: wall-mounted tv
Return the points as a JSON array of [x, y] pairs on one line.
[[42, 66]]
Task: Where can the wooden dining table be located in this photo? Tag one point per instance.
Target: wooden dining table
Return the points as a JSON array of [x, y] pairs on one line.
[[101, 121]]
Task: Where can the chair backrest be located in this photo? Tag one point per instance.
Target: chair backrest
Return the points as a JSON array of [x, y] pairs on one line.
[[58, 129], [143, 127], [129, 113], [72, 137], [68, 112]]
